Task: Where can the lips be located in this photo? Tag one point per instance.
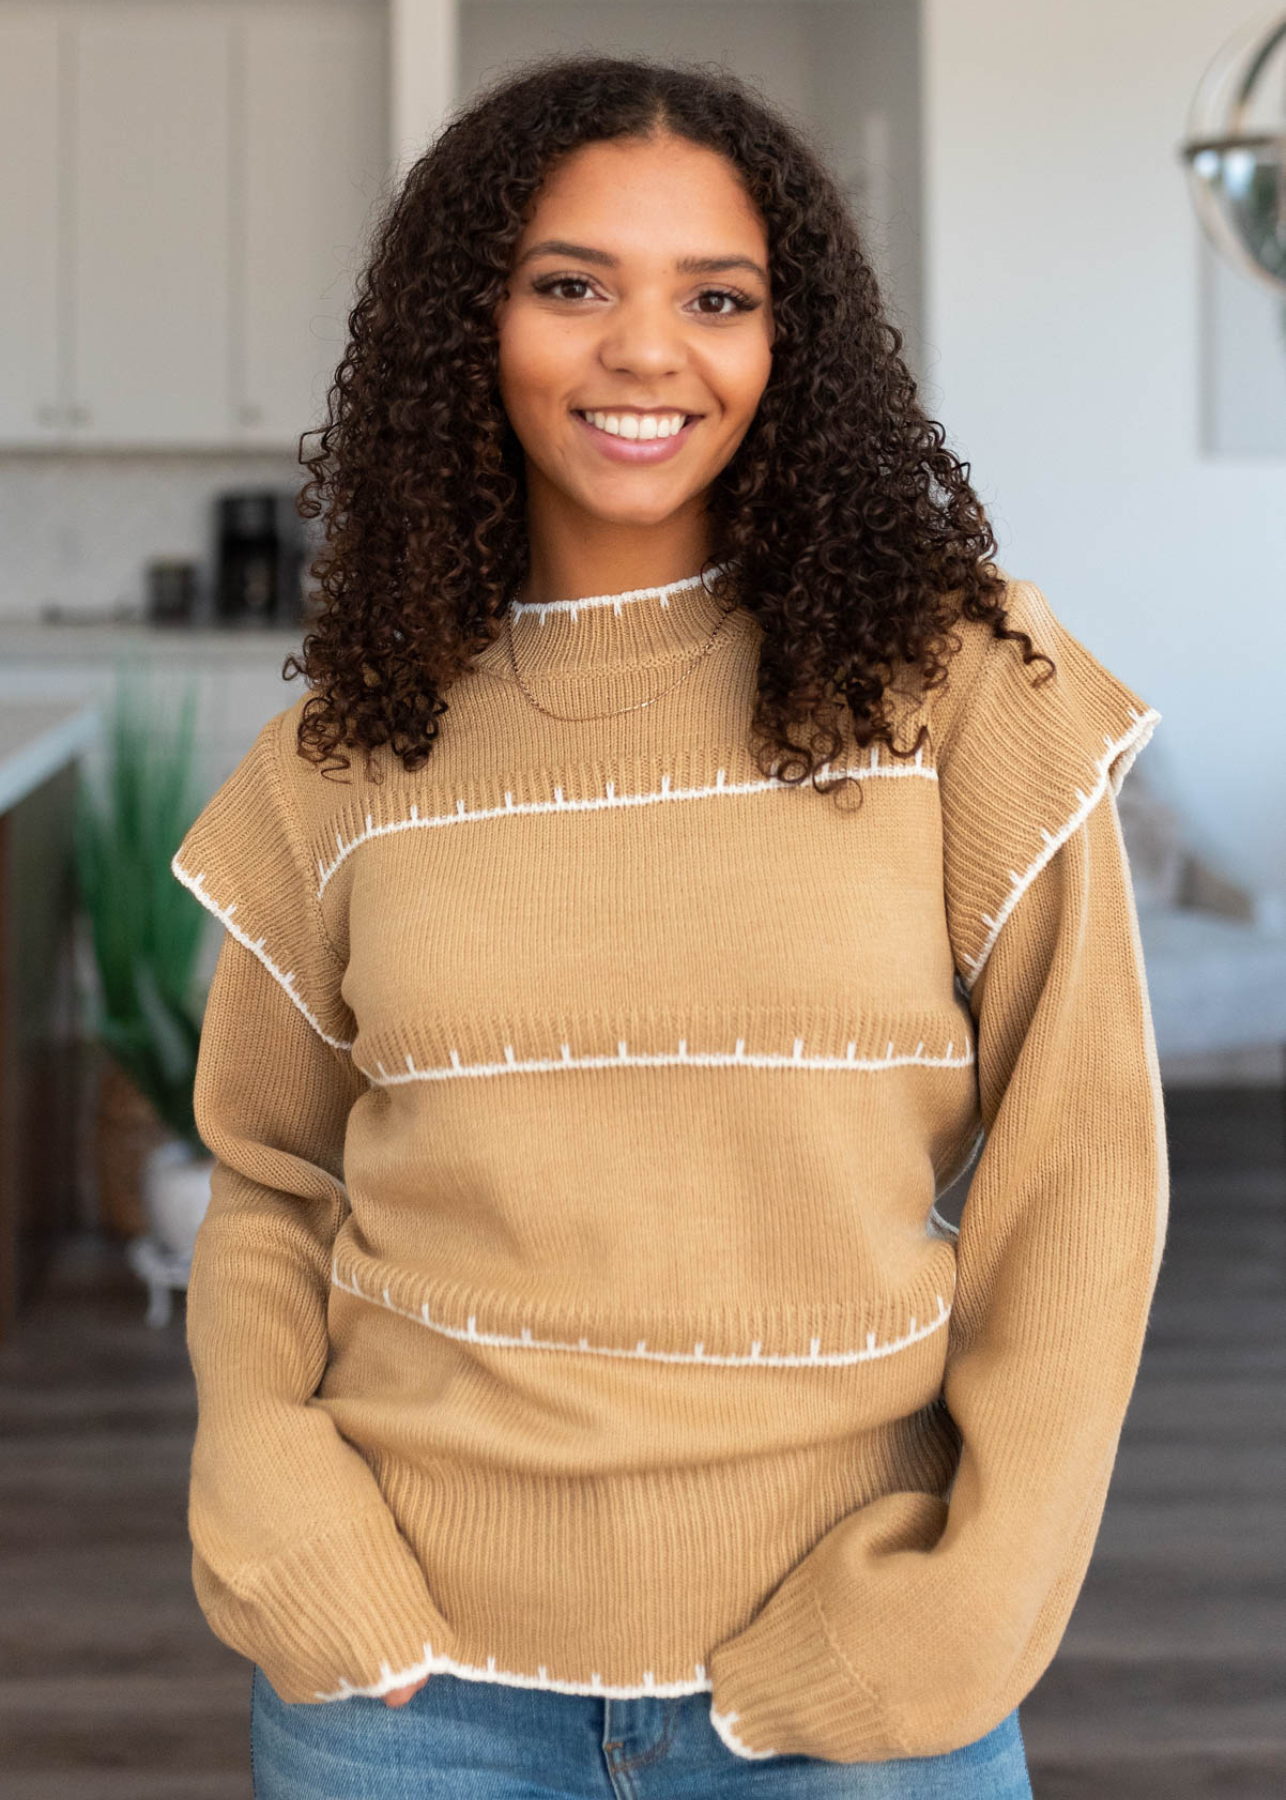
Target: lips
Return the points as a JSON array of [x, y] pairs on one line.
[[636, 450]]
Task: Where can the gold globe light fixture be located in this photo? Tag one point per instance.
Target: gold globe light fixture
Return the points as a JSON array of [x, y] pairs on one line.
[[1235, 151]]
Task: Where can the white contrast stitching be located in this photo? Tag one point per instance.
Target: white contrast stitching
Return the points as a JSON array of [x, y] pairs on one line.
[[661, 1059], [463, 815], [573, 607], [429, 1663], [698, 1354], [196, 885], [723, 1723], [1131, 742]]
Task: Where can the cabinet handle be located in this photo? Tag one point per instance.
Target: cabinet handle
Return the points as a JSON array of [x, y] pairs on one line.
[[79, 415]]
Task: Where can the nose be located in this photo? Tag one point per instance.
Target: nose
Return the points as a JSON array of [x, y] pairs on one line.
[[643, 337]]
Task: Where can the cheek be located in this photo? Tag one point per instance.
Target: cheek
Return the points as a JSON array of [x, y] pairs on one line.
[[536, 365], [743, 376]]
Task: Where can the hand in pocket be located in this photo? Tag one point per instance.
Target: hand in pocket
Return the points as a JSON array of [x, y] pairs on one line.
[[400, 1696]]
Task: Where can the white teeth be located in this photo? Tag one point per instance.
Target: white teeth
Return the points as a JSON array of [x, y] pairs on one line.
[[635, 425]]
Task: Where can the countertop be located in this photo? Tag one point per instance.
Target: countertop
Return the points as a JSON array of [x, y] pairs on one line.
[[37, 738], [31, 639]]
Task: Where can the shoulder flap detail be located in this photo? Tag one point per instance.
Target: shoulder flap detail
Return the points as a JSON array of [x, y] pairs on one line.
[[1023, 758], [242, 859]]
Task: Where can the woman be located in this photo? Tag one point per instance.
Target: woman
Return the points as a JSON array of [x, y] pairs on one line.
[[592, 1398]]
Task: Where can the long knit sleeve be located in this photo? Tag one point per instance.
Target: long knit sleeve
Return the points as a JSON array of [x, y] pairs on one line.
[[297, 1561], [919, 1621]]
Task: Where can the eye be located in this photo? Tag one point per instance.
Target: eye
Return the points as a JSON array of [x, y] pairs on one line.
[[739, 302], [551, 282]]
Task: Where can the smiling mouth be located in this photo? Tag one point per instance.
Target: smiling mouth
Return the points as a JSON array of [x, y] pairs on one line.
[[638, 426]]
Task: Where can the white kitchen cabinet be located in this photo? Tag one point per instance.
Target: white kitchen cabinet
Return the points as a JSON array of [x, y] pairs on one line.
[[312, 137], [184, 192], [32, 402], [150, 259]]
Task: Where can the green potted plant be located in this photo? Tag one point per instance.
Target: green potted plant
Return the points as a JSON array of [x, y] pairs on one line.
[[146, 931]]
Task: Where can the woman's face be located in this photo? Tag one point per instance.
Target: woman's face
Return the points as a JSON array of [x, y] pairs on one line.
[[639, 293]]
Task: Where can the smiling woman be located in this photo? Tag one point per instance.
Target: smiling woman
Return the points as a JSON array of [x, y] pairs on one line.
[[591, 1394]]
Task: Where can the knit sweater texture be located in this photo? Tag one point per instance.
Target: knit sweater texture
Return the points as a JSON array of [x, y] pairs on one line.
[[572, 1310]]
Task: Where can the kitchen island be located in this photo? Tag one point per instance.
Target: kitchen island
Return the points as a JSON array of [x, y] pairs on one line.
[[41, 744]]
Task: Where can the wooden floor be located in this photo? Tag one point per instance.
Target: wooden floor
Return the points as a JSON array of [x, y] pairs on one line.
[[1170, 1683]]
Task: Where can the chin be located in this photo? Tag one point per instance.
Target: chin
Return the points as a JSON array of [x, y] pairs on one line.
[[635, 515]]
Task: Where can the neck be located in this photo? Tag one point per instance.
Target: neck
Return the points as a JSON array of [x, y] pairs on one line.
[[573, 550]]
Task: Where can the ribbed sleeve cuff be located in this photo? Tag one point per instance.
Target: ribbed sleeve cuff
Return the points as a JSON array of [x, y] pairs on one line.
[[348, 1612], [779, 1688]]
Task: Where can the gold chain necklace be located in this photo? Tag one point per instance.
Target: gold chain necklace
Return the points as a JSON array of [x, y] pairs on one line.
[[584, 718]]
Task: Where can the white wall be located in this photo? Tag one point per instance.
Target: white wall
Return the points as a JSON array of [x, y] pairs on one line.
[[1062, 312], [764, 43], [425, 39], [866, 87]]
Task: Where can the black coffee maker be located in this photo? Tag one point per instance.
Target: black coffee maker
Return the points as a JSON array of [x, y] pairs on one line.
[[258, 559]]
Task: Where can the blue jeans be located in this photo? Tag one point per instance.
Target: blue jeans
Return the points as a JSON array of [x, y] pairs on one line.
[[481, 1740]]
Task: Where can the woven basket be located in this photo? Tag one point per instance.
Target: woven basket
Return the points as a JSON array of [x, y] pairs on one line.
[[126, 1130]]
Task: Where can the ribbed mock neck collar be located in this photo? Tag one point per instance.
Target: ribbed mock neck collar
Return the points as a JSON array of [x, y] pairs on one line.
[[638, 627]]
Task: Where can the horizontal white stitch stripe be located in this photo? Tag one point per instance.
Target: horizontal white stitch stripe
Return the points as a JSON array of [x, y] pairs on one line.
[[196, 884], [753, 1358], [711, 1059], [720, 787], [1132, 741], [391, 1679]]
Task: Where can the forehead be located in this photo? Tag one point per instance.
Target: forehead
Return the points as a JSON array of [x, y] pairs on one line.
[[635, 196]]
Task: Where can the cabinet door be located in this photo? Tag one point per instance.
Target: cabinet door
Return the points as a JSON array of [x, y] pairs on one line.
[[31, 402], [311, 164], [150, 270]]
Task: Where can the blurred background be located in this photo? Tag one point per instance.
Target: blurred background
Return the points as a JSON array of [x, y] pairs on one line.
[[1078, 216]]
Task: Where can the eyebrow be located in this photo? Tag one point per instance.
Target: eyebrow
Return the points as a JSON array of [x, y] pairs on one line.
[[684, 265]]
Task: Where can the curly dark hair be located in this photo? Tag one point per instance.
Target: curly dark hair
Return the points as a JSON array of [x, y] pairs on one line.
[[852, 532]]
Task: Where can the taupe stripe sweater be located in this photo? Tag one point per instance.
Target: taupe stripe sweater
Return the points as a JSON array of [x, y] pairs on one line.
[[572, 1309]]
